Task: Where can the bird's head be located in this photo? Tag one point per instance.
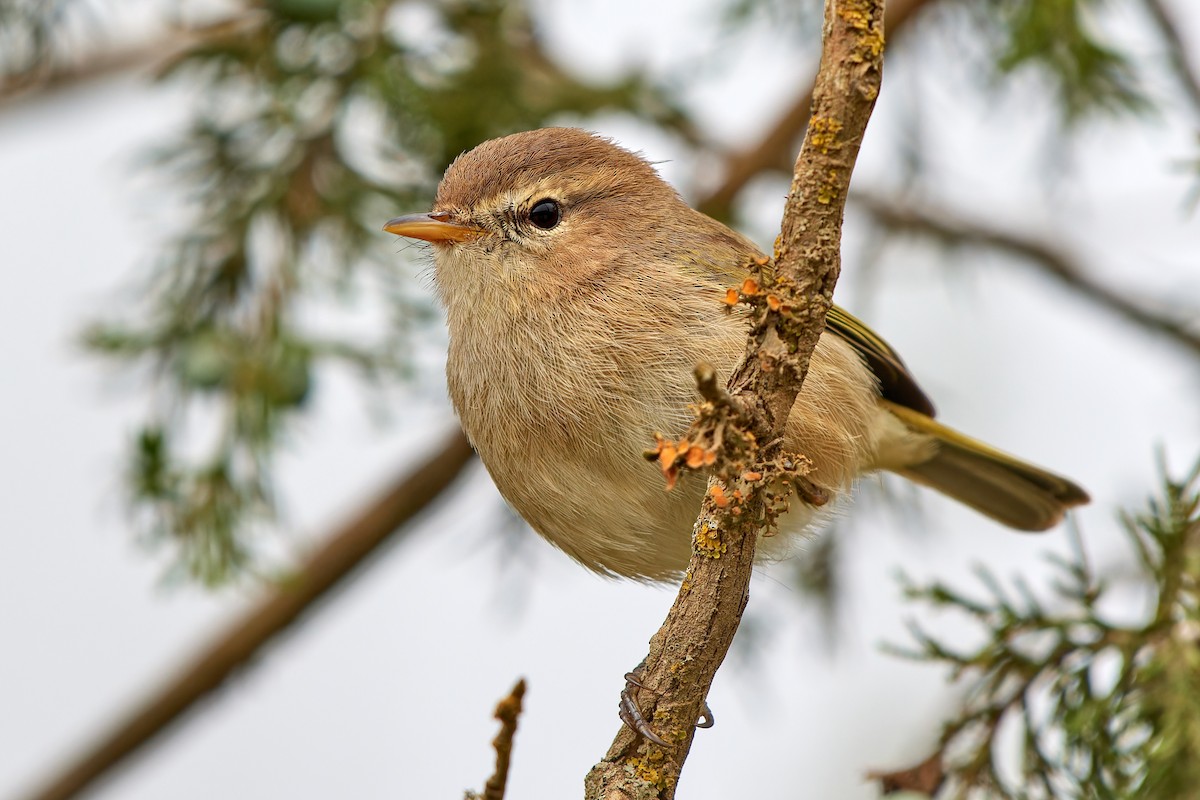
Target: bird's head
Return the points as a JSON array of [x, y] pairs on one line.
[[548, 212]]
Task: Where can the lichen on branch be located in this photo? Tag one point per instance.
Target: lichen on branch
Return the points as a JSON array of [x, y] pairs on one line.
[[789, 298]]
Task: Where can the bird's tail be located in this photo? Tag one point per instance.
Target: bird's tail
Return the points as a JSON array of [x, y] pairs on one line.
[[1004, 488]]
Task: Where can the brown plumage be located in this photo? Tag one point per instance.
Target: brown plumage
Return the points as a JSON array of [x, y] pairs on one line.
[[572, 343]]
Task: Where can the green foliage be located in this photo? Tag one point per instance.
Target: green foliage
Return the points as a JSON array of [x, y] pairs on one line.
[[1054, 36], [1060, 40], [1105, 708], [316, 121]]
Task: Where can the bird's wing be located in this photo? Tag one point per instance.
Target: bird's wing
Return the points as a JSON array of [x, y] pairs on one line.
[[895, 381], [712, 262]]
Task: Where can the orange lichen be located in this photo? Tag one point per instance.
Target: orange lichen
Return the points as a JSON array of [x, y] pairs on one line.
[[667, 455], [672, 457]]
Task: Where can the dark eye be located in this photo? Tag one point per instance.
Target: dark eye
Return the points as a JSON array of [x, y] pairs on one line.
[[545, 214]]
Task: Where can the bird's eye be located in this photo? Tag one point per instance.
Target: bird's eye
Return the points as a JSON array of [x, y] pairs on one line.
[[545, 214]]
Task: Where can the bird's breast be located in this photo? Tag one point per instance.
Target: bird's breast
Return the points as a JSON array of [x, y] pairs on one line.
[[560, 401]]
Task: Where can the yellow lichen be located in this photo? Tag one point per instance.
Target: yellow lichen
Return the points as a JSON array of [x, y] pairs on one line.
[[649, 770], [707, 541], [823, 132], [873, 42], [857, 14], [829, 188]]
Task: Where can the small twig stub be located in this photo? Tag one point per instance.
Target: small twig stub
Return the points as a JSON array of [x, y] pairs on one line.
[[507, 711]]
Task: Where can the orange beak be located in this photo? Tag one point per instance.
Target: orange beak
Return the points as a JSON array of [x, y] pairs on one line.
[[435, 227]]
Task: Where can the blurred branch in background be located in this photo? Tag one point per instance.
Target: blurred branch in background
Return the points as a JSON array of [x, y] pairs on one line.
[[776, 150], [336, 558], [37, 38], [1104, 708], [1179, 53], [103, 65], [50, 46], [903, 215]]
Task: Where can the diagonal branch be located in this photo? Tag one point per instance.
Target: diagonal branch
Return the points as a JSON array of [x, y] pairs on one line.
[[741, 503], [341, 553], [774, 151], [905, 216]]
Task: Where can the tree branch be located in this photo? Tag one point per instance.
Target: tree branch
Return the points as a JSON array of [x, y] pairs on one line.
[[906, 216], [788, 315], [774, 151], [343, 551]]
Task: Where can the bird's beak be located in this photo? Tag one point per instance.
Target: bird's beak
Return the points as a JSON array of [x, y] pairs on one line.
[[435, 227]]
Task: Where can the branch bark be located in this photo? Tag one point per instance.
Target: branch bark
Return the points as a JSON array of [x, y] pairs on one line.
[[774, 151], [342, 552], [789, 307], [906, 216]]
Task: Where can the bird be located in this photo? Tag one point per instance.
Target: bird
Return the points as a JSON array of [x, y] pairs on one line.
[[580, 293]]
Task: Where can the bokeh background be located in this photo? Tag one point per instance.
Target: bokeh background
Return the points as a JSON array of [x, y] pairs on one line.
[[386, 688]]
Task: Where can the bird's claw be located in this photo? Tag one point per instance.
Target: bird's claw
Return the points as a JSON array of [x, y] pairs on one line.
[[632, 715], [809, 492]]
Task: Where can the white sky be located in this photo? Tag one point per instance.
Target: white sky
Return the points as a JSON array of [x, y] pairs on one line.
[[387, 690]]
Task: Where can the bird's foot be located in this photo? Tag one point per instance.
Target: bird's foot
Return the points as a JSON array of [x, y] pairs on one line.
[[632, 715], [809, 492]]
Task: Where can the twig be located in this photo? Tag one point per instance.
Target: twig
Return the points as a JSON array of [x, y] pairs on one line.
[[507, 711], [1050, 259], [774, 151], [343, 551], [685, 653]]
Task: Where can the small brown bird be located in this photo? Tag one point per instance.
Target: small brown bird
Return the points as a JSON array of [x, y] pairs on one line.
[[581, 291]]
